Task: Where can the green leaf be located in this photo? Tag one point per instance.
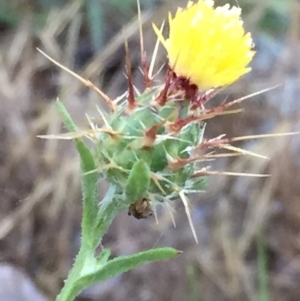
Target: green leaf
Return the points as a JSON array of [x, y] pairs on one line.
[[67, 119], [103, 257], [109, 207], [89, 179], [125, 263], [138, 182]]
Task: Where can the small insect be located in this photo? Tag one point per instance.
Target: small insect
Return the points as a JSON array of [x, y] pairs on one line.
[[140, 209]]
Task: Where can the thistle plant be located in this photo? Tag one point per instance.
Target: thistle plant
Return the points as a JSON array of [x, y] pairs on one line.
[[150, 147]]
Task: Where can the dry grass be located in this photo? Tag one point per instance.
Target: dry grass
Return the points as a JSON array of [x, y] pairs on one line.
[[39, 179]]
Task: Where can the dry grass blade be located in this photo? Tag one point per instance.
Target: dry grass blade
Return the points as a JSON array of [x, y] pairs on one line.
[[227, 173], [96, 66]]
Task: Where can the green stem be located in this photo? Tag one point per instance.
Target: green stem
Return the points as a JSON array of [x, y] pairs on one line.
[[108, 210], [69, 291], [96, 219]]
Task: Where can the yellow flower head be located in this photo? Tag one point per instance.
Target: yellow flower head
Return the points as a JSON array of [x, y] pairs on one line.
[[208, 45]]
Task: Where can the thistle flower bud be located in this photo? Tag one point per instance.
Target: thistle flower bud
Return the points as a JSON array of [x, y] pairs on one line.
[[155, 135], [147, 147]]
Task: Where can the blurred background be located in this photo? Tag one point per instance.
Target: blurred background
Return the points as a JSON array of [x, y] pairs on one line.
[[248, 228]]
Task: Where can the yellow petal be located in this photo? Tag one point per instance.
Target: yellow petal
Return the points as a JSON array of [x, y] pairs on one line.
[[208, 45]]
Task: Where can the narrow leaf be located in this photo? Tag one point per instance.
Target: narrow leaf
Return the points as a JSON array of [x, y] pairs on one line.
[[109, 207], [125, 263], [138, 182], [89, 179], [103, 257]]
